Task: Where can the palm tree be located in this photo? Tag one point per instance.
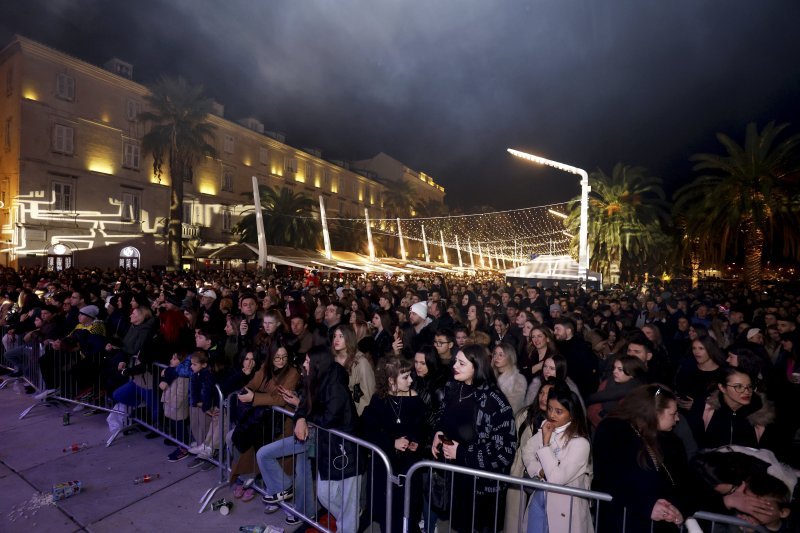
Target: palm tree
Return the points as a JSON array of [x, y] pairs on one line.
[[289, 220], [744, 197], [398, 199], [179, 136], [626, 213]]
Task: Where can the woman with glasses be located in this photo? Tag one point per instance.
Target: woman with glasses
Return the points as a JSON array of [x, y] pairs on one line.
[[734, 414], [258, 425]]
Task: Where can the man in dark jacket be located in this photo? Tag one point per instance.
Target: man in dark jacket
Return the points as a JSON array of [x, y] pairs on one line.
[[581, 362]]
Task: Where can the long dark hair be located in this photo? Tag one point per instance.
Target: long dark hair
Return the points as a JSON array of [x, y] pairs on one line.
[[640, 409], [534, 414], [320, 363], [563, 395], [431, 361], [481, 361]]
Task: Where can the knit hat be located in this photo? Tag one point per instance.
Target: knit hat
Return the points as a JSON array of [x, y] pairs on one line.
[[421, 309], [555, 307], [752, 332], [90, 310]]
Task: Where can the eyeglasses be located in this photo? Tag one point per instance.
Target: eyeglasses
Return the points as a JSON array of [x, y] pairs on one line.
[[738, 387], [281, 358], [440, 343]]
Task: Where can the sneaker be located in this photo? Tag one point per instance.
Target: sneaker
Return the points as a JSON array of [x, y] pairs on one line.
[[208, 454], [271, 508], [195, 463], [292, 520], [248, 495], [44, 394], [279, 497], [178, 455], [206, 466], [200, 449]]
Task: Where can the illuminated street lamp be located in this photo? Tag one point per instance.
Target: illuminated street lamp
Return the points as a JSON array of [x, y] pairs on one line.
[[583, 246]]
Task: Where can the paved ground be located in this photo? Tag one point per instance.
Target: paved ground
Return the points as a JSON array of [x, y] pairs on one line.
[[32, 460]]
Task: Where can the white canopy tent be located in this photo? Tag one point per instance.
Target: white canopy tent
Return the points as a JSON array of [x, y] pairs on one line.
[[551, 268]]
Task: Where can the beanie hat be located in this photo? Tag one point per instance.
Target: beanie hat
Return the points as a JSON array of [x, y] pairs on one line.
[[421, 309]]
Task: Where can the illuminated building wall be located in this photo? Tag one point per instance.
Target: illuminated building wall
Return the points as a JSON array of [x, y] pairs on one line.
[[389, 169], [71, 170]]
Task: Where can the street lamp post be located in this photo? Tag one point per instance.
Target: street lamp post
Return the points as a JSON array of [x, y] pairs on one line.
[[583, 240]]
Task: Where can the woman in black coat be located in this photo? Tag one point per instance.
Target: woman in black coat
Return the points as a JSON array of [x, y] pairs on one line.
[[428, 382], [476, 429], [394, 420], [641, 463]]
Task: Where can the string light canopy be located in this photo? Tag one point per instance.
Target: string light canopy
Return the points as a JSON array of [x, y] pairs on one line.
[[513, 235]]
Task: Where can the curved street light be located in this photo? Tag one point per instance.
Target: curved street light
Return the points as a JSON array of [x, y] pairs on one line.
[[583, 241]]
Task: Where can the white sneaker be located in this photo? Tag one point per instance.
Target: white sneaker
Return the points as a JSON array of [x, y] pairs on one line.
[[200, 449], [207, 453], [44, 394]]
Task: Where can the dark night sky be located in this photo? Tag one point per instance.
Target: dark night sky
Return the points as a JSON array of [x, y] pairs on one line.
[[447, 85]]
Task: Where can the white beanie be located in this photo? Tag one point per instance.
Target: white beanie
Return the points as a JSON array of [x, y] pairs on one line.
[[421, 309]]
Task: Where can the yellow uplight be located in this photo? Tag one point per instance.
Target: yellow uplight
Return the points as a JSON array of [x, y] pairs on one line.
[[30, 94], [208, 188], [100, 165]]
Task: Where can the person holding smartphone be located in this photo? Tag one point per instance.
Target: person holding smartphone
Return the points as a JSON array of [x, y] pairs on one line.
[[476, 429]]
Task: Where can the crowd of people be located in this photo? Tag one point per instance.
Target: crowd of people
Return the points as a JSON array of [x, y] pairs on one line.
[[670, 399]]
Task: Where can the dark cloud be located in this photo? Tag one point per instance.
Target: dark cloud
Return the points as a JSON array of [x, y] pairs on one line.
[[447, 85]]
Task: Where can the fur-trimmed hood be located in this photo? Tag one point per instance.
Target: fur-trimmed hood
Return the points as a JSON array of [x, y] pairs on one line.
[[760, 412]]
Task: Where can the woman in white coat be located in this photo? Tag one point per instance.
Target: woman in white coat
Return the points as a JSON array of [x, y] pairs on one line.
[[511, 382], [560, 454]]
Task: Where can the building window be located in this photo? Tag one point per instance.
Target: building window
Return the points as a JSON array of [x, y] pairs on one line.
[[227, 144], [227, 217], [290, 165], [62, 195], [129, 257], [131, 207], [10, 81], [309, 172], [63, 139], [131, 153], [227, 179], [187, 212], [65, 87], [7, 135], [59, 257], [263, 156], [133, 110]]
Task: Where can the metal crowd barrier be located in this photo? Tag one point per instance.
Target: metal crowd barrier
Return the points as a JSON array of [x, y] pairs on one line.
[[498, 510], [303, 459], [83, 382], [725, 521]]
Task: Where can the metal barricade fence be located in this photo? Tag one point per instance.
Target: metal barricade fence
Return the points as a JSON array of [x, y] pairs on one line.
[[725, 520], [481, 505], [350, 477]]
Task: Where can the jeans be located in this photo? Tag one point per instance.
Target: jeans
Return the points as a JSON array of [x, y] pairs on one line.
[[276, 479], [340, 497], [15, 355], [537, 513], [132, 395]]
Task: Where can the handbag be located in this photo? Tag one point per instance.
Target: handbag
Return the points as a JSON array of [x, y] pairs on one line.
[[437, 485]]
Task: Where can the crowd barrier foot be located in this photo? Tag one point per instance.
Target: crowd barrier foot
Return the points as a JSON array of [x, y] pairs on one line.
[[209, 495], [43, 401], [117, 433], [8, 381]]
